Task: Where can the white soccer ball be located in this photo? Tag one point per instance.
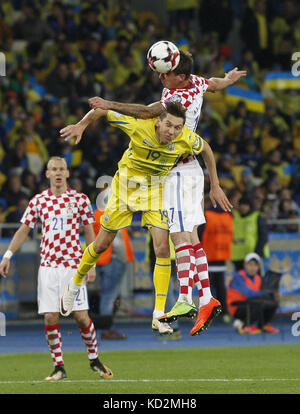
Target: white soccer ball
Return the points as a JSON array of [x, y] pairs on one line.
[[163, 56]]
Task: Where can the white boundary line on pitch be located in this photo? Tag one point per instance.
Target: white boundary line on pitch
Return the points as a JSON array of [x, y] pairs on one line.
[[153, 380]]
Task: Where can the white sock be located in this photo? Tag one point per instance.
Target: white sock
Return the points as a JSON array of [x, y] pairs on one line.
[[157, 314], [73, 285]]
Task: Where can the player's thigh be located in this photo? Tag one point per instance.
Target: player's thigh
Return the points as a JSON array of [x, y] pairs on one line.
[[183, 200], [160, 239], [48, 290], [114, 220], [157, 219]]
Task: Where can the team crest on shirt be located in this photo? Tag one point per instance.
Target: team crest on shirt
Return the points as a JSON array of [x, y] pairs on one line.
[[106, 217], [196, 143], [171, 147], [70, 208]]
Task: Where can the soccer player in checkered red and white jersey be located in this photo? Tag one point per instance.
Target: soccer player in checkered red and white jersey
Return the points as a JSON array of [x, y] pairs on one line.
[[61, 211], [187, 89]]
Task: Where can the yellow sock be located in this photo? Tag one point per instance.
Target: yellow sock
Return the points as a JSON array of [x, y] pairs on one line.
[[161, 280], [88, 260]]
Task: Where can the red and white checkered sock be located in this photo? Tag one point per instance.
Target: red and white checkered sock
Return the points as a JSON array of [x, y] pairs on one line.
[[201, 277], [185, 265], [53, 337], [89, 337]]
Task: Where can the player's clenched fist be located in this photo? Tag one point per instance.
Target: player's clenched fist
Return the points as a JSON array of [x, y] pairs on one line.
[[4, 267], [98, 102]]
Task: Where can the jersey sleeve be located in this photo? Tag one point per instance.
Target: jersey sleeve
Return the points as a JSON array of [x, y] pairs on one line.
[[31, 214], [86, 211], [170, 96], [124, 122], [196, 143], [203, 83]]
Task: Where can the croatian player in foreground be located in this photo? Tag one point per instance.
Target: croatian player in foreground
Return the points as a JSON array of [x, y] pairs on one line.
[[61, 212], [155, 147], [187, 89]]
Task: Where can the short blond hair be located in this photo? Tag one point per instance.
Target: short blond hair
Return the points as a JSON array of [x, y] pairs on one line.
[[57, 158]]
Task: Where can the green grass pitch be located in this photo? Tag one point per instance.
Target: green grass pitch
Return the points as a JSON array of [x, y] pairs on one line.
[[262, 369]]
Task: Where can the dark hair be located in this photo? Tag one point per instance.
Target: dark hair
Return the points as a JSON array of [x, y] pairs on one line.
[[185, 64], [174, 109], [245, 200]]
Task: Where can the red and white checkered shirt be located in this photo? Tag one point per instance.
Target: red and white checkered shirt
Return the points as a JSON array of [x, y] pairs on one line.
[[61, 218], [191, 97]]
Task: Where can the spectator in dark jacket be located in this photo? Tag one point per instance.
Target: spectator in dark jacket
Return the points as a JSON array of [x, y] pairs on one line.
[[247, 303]]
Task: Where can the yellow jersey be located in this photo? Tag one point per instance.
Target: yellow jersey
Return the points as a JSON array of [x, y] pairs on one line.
[[146, 156], [138, 183]]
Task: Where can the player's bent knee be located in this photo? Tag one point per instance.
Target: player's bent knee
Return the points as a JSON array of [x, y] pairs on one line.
[[103, 241], [181, 237], [82, 318], [162, 250], [51, 318]]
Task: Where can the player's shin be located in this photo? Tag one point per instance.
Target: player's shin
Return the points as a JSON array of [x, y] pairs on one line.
[[161, 280], [89, 259], [53, 337], [201, 277], [185, 263], [89, 337]]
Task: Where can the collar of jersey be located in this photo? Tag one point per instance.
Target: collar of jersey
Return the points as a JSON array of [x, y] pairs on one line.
[[50, 192], [189, 86]]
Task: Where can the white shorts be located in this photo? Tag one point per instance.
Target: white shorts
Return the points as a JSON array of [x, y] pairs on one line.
[[183, 196], [51, 286]]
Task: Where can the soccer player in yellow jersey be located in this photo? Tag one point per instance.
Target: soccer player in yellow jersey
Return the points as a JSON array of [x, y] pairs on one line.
[[155, 146]]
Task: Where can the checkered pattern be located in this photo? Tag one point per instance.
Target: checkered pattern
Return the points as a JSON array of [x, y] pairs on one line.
[[185, 266], [190, 97], [53, 337], [61, 218], [89, 338], [201, 276]]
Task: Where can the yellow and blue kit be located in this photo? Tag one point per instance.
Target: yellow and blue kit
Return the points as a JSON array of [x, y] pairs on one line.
[[138, 183]]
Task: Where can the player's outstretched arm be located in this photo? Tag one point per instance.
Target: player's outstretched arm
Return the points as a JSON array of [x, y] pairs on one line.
[[216, 84], [76, 130], [19, 237], [134, 110], [216, 194]]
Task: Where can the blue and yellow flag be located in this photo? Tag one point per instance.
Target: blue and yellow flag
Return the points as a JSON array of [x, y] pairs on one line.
[[254, 100], [281, 81]]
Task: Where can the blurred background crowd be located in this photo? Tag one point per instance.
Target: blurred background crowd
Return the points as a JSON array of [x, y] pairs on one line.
[[60, 53]]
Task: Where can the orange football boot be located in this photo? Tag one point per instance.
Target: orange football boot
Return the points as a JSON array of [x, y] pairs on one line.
[[270, 329], [206, 315], [250, 329]]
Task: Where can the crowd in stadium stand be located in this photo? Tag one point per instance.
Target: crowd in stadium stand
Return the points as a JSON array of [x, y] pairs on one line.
[[61, 53]]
